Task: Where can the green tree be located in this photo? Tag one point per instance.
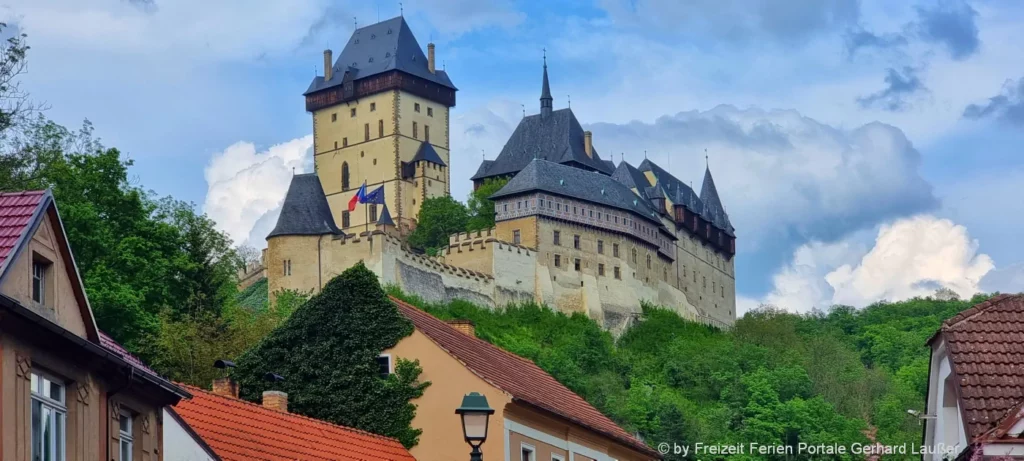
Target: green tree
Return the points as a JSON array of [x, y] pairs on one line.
[[327, 352], [481, 207], [439, 217]]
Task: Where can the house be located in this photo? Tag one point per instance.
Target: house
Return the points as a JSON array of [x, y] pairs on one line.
[[536, 418], [67, 391], [976, 383], [214, 426]]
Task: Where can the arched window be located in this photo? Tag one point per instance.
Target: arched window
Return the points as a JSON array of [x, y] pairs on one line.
[[344, 176], [344, 219]]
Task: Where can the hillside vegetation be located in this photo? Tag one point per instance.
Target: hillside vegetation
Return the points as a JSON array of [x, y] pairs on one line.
[[824, 377]]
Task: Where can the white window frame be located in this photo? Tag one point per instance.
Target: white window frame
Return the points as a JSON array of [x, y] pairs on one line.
[[557, 457], [39, 269], [531, 448], [57, 406], [391, 364], [126, 436]]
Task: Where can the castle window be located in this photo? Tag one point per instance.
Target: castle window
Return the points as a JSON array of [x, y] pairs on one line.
[[416, 107], [713, 288], [704, 281], [373, 212], [723, 291], [558, 260], [335, 144], [334, 117], [344, 142], [415, 130], [600, 270], [506, 207], [600, 247], [694, 276], [374, 161], [557, 238], [616, 220], [344, 176], [573, 210], [373, 107], [576, 264], [618, 273], [634, 255], [591, 213], [345, 220], [287, 269], [648, 261], [426, 133], [380, 128], [366, 132], [615, 250], [558, 206], [684, 271], [576, 241], [664, 273], [515, 237], [430, 112], [352, 112]]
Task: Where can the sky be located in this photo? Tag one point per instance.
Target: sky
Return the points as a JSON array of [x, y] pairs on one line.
[[865, 150]]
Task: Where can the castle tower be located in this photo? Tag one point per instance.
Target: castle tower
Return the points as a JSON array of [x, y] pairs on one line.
[[381, 116]]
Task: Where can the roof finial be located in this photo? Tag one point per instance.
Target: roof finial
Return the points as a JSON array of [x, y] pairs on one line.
[[707, 165], [482, 154], [293, 171], [570, 100], [401, 9], [645, 154], [524, 109], [355, 21]]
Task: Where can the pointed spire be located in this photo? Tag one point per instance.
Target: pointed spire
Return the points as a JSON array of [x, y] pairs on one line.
[[545, 93], [385, 217]]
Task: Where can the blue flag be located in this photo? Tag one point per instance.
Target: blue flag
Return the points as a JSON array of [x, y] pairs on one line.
[[377, 196]]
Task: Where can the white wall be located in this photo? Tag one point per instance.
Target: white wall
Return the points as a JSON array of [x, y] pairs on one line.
[[944, 427], [179, 444]]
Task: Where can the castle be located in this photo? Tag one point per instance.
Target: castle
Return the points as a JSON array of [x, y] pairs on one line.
[[573, 230]]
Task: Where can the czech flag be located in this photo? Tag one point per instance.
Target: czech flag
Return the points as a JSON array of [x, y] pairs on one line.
[[360, 197]]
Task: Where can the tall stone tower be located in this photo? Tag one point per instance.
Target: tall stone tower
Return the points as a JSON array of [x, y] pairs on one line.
[[381, 116]]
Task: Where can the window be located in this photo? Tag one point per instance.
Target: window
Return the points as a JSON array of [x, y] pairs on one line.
[[558, 260], [335, 144], [576, 241], [723, 291], [380, 128], [664, 273], [39, 270], [286, 268], [373, 107], [615, 250], [430, 112], [416, 107], [576, 264], [634, 255], [373, 212], [426, 133], [334, 117], [527, 453], [415, 130], [704, 281], [505, 206], [384, 365], [345, 220], [126, 436], [600, 270], [366, 132], [352, 112], [618, 273], [648, 261], [344, 142], [600, 247], [344, 176], [557, 238], [49, 418], [515, 236]]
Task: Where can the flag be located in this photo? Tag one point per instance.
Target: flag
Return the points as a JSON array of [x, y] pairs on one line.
[[377, 196], [360, 197]]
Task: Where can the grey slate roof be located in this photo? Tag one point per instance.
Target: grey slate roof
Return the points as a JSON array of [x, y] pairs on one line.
[[378, 48], [305, 210], [632, 178], [557, 137], [567, 181], [681, 194], [713, 209], [385, 217], [427, 153]]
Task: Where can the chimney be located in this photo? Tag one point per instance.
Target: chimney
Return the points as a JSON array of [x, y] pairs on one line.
[[430, 57], [466, 326], [225, 387], [588, 143], [328, 65], [275, 400]]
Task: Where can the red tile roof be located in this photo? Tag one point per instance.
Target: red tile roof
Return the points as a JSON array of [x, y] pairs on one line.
[[16, 210], [237, 430], [986, 346], [113, 346], [519, 377]]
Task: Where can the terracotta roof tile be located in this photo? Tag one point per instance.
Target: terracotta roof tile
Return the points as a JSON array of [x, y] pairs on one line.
[[16, 210], [519, 377], [986, 346], [237, 430]]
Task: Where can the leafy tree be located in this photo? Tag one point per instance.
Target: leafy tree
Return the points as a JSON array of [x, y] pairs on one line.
[[481, 207], [327, 352], [439, 217]]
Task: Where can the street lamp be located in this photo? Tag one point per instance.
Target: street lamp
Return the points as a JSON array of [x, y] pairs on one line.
[[475, 414]]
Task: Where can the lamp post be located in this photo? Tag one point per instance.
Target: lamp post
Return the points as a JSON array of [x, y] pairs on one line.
[[475, 414]]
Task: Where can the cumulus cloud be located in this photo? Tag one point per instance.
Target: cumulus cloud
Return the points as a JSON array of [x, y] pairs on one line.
[[950, 23], [908, 257], [1007, 106], [900, 86], [861, 39], [246, 187]]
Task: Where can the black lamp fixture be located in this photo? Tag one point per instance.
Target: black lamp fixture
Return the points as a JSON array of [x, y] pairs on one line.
[[475, 414]]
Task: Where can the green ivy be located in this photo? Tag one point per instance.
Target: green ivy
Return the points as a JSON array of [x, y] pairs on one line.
[[327, 351]]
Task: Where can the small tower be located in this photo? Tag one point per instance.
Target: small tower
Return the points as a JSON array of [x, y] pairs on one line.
[[545, 92]]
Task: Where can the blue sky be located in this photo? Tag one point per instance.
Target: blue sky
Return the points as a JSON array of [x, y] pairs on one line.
[[865, 150]]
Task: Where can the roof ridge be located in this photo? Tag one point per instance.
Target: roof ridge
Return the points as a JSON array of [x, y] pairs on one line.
[[286, 413], [976, 310], [23, 193]]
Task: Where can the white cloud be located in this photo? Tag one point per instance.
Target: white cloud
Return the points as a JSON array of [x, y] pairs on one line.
[[244, 185], [909, 257]]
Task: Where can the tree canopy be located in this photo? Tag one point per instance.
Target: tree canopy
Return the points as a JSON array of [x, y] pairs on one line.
[[439, 217], [481, 207]]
